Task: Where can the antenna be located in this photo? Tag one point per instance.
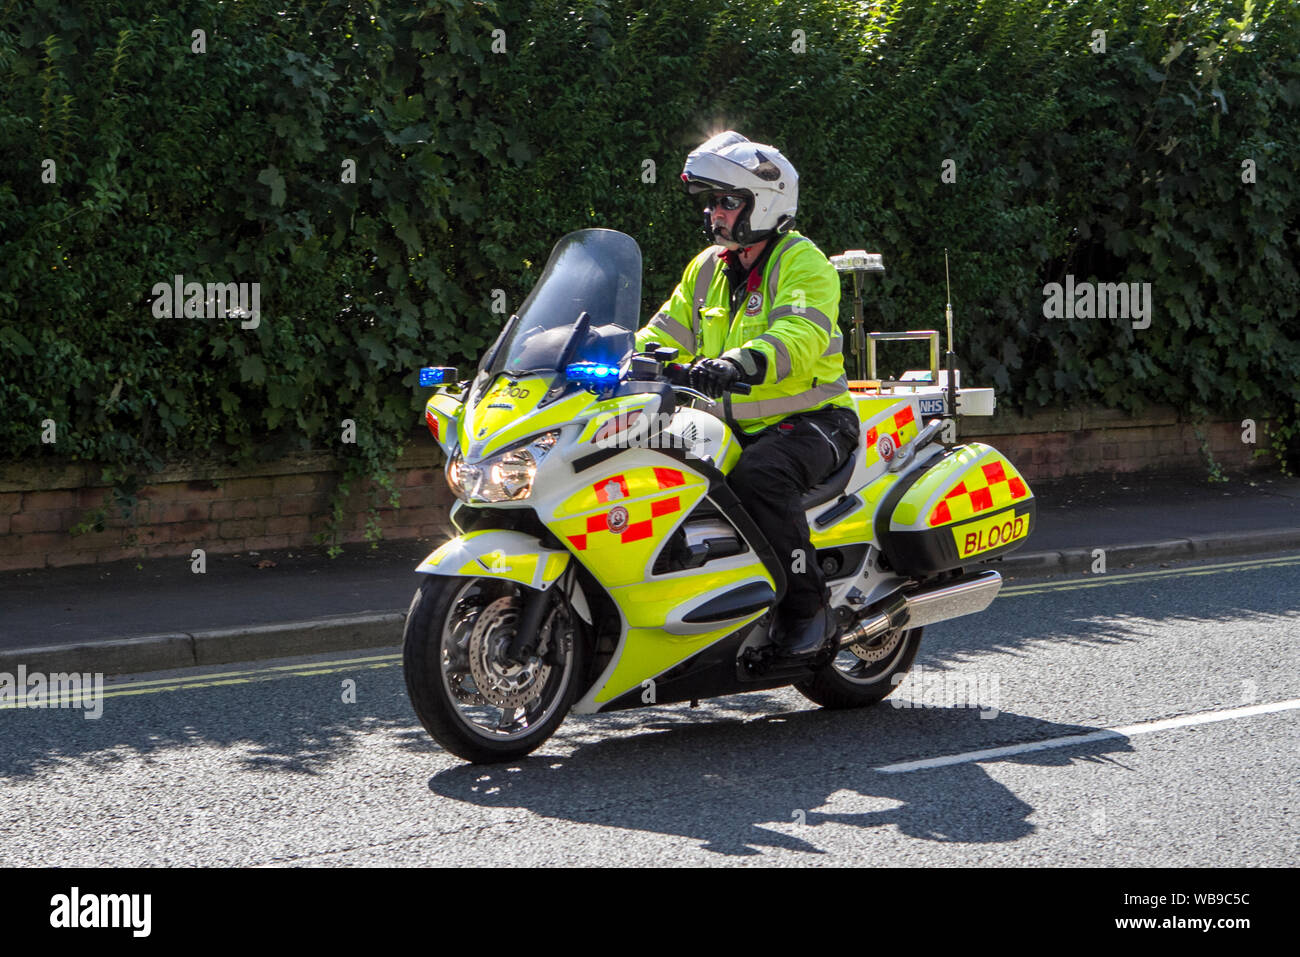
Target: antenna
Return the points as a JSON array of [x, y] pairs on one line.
[[952, 357], [948, 310]]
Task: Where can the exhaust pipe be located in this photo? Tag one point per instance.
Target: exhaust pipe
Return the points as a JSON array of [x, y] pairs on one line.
[[930, 604]]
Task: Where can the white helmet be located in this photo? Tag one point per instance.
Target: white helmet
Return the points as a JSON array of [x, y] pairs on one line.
[[731, 163]]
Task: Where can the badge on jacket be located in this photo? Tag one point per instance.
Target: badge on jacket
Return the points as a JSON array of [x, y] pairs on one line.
[[754, 304]]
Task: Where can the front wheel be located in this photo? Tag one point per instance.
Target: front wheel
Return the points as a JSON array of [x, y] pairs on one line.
[[469, 696], [863, 673]]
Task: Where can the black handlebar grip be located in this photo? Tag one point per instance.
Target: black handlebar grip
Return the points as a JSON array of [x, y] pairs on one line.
[[741, 388]]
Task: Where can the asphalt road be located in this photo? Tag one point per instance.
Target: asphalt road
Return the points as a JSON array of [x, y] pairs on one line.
[[253, 766]]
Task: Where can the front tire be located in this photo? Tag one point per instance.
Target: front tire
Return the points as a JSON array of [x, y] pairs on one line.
[[863, 674], [472, 700]]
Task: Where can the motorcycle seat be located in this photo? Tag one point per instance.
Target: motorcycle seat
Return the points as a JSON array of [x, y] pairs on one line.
[[831, 486]]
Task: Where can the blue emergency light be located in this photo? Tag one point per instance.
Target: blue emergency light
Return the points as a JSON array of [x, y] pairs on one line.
[[437, 375], [591, 373]]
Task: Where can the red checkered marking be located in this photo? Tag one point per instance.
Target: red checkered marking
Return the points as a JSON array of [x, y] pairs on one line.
[[664, 506], [602, 488], [901, 420], [636, 530], [981, 499], [669, 478]]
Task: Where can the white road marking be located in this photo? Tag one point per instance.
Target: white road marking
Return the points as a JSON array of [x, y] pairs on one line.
[[1126, 731]]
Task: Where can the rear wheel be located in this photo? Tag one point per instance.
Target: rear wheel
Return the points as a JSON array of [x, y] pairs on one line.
[[865, 672], [469, 696]]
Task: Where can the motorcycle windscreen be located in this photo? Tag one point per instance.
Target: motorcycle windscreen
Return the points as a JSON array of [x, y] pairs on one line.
[[596, 271]]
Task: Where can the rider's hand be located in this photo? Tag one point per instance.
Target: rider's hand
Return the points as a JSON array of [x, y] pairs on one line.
[[714, 376]]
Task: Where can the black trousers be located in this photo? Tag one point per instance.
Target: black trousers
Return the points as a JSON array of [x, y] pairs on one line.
[[776, 469]]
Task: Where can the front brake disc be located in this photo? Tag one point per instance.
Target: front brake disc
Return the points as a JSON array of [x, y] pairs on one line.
[[501, 682]]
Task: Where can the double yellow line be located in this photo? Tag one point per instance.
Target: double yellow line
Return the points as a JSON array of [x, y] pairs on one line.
[[129, 688], [1106, 580]]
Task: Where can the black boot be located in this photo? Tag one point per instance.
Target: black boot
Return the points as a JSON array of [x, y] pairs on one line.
[[802, 637]]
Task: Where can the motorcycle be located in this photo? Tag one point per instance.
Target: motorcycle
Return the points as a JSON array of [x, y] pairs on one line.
[[602, 561]]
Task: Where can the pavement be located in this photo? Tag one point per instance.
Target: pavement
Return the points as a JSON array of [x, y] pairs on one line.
[[130, 617]]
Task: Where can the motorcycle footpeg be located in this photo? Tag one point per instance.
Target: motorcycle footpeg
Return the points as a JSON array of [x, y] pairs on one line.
[[780, 661], [758, 661], [768, 662], [831, 649]]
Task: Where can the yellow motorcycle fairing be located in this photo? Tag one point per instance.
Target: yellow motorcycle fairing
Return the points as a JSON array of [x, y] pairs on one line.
[[498, 553]]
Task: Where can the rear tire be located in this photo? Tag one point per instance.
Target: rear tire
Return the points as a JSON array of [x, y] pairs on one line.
[[435, 649], [853, 681]]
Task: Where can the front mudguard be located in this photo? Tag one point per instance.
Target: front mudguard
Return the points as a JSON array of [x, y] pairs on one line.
[[499, 553]]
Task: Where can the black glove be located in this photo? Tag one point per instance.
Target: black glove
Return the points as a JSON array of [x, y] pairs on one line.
[[714, 376]]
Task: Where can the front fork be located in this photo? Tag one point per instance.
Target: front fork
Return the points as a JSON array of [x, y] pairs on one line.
[[523, 646]]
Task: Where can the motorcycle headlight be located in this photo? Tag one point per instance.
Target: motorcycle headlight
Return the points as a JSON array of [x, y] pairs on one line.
[[505, 477], [458, 476]]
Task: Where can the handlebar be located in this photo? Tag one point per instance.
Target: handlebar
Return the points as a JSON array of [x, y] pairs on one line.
[[679, 375]]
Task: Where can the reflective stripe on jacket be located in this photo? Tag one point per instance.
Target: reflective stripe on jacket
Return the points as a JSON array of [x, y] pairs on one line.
[[791, 318]]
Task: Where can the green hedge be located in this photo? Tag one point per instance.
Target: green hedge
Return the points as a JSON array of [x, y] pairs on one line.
[[227, 166]]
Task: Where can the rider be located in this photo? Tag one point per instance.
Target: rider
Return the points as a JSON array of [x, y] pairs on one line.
[[768, 318]]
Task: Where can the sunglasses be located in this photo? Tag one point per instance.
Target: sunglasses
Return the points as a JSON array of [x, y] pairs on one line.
[[728, 201]]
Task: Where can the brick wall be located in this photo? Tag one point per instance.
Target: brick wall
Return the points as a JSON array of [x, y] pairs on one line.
[[283, 504], [1056, 444], [279, 505]]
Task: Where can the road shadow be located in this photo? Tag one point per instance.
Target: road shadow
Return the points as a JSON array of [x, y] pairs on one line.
[[302, 727], [296, 725], [742, 785], [1118, 611]]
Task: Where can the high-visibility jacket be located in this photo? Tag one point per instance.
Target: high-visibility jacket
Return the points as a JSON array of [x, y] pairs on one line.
[[789, 314]]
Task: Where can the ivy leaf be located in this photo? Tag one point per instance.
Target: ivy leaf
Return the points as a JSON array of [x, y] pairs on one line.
[[1172, 55], [519, 151], [409, 234], [271, 177], [17, 341], [252, 369]]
